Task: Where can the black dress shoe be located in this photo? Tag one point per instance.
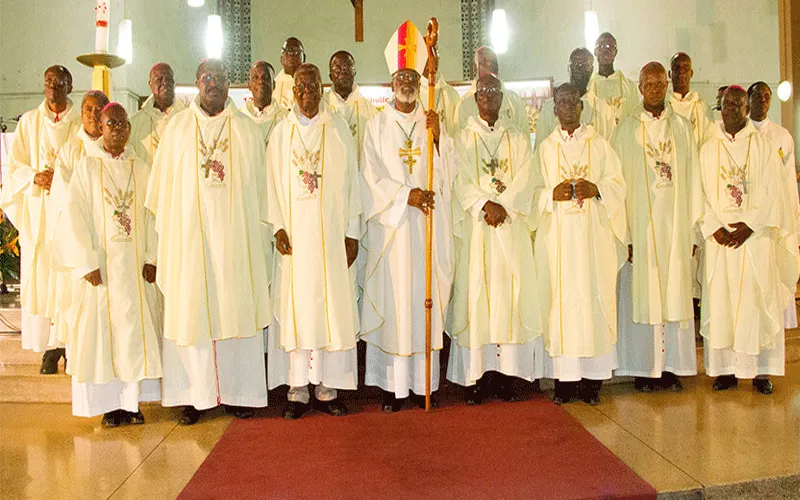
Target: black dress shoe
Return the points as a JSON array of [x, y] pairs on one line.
[[565, 392], [50, 362], [239, 411], [294, 410], [670, 382], [725, 382], [504, 388], [473, 394], [590, 391], [132, 418], [389, 403], [190, 415], [333, 407], [644, 384], [763, 385], [111, 419], [420, 400]]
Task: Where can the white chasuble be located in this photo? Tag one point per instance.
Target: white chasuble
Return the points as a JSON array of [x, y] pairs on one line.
[[579, 244], [207, 193], [663, 202], [495, 279], [696, 110], [596, 112], [283, 93], [393, 315], [148, 125], [445, 99], [39, 136], [315, 197], [513, 113], [494, 290], [117, 325], [745, 289], [618, 91], [60, 287]]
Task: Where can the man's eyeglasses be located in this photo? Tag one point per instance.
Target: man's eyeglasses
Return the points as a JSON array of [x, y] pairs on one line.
[[292, 52], [218, 78], [116, 123]]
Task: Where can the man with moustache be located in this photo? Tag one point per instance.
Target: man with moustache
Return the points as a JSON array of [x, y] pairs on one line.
[[148, 124], [396, 202], [39, 136], [209, 215]]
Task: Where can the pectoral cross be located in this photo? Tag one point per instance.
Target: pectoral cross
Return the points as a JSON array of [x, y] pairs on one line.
[[492, 165], [745, 182], [206, 167], [408, 155]]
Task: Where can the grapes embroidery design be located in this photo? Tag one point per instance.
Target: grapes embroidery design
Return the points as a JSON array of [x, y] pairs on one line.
[[121, 203], [663, 168]]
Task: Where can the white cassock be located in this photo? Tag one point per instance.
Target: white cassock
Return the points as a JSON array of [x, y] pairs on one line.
[[116, 344], [782, 140], [60, 287], [696, 110], [283, 93], [578, 250], [595, 112], [39, 136], [207, 192], [745, 290], [655, 315], [620, 93], [393, 311], [356, 110], [494, 322], [147, 127], [445, 99], [512, 110], [315, 197]]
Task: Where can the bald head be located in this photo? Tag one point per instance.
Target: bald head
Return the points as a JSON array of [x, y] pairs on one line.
[[568, 105], [653, 87], [735, 108], [605, 49], [92, 105], [486, 62], [212, 82], [581, 66], [116, 128], [308, 89], [293, 54], [489, 97], [162, 85], [261, 83], [681, 73], [342, 72]]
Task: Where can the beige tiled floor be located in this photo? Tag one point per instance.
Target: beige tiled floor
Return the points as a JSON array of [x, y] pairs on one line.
[[675, 441]]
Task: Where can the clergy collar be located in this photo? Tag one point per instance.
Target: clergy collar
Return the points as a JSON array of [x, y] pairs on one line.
[[478, 124], [580, 133], [228, 110], [355, 94], [745, 132], [665, 115], [101, 153], [691, 96], [762, 123], [283, 76], [301, 119], [85, 137], [150, 108], [64, 116], [617, 74], [267, 112]]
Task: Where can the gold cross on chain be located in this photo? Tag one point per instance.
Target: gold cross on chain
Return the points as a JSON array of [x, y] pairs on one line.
[[408, 155]]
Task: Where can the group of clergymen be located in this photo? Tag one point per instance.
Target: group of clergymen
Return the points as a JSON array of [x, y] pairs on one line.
[[147, 244]]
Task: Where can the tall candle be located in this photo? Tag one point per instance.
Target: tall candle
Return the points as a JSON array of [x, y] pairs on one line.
[[101, 26]]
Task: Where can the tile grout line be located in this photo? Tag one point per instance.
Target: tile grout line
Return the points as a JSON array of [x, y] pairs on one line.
[[657, 452], [143, 461]]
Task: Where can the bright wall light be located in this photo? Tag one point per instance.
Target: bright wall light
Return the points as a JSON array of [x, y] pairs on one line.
[[214, 37], [785, 90], [591, 28], [499, 31], [125, 40], [196, 3]]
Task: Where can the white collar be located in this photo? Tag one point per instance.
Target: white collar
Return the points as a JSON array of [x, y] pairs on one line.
[[578, 135], [336, 99], [64, 116], [200, 113]]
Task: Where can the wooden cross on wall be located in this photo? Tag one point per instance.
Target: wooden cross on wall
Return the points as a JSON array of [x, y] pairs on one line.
[[358, 5]]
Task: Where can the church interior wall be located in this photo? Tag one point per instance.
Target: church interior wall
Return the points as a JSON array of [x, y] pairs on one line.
[[731, 41]]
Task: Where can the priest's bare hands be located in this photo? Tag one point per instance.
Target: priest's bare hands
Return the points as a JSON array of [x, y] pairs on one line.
[[563, 192], [722, 236], [585, 190], [351, 248], [94, 278], [421, 199], [433, 124], [630, 254], [282, 242], [149, 273], [495, 214], [740, 234], [44, 178]]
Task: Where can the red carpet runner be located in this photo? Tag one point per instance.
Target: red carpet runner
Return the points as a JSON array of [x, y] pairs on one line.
[[531, 449]]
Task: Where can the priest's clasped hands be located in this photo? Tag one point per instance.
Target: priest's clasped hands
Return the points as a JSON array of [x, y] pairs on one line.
[[581, 189], [283, 246], [421, 199], [735, 238], [148, 273], [44, 179], [494, 214]]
